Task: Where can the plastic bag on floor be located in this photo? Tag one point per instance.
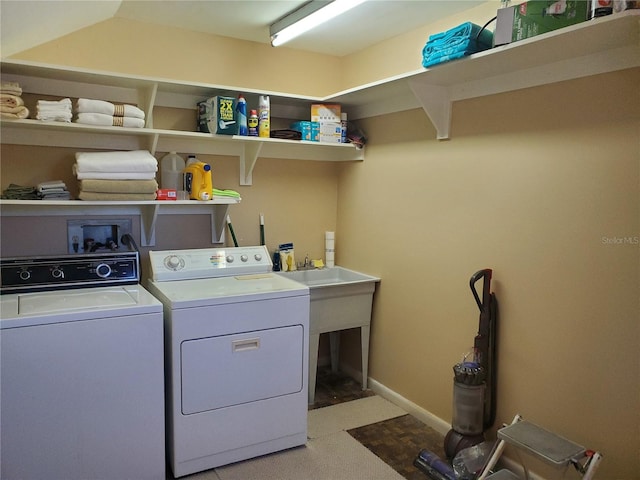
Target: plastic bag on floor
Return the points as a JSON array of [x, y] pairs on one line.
[[468, 463]]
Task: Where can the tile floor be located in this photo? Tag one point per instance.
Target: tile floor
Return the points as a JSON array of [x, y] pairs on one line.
[[396, 441]]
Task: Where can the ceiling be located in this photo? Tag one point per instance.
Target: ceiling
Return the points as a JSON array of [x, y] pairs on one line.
[[28, 23]]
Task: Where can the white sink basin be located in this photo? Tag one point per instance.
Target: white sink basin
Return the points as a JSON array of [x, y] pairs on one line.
[[325, 277], [339, 299]]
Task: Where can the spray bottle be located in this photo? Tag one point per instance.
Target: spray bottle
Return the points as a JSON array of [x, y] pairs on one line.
[[264, 117], [241, 109]]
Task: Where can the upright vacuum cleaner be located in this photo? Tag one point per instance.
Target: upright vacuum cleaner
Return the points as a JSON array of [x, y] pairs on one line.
[[474, 388]]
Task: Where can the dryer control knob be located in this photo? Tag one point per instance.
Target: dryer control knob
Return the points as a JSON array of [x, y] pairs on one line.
[[173, 262], [258, 257], [57, 273], [230, 258], [25, 275], [244, 258]]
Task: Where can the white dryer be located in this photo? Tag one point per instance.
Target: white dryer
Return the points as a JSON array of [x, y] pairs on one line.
[[237, 342], [81, 370]]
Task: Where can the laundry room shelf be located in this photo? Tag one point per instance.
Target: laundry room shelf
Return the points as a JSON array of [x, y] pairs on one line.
[[147, 210], [601, 45], [247, 149]]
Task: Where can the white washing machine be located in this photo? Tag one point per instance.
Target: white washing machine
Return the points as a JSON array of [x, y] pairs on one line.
[[81, 370], [237, 342]]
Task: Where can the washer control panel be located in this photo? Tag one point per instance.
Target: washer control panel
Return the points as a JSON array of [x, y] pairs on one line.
[[169, 265], [29, 274]]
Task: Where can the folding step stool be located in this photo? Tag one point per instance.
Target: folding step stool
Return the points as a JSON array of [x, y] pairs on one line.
[[544, 445]]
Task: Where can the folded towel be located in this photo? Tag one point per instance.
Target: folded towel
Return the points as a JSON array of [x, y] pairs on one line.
[[8, 100], [14, 113], [54, 110], [102, 119], [116, 196], [54, 117], [457, 42], [225, 193], [118, 186], [52, 184], [116, 162], [63, 105], [55, 196], [19, 192], [11, 87], [85, 105], [114, 175]]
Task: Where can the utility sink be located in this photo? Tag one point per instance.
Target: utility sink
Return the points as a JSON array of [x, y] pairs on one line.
[[340, 299], [325, 277]]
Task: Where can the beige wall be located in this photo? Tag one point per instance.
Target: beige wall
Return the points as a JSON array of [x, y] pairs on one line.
[[535, 184]]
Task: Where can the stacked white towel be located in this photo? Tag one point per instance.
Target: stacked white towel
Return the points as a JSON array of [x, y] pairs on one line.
[[123, 175], [100, 112], [53, 190], [54, 110], [11, 102]]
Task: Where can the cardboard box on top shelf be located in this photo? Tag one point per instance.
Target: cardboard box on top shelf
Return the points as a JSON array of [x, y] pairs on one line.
[[325, 112], [327, 117], [330, 132], [218, 115], [534, 17]]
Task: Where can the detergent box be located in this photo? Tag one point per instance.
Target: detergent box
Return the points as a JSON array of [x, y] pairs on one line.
[[535, 17], [328, 118], [323, 112], [309, 130], [218, 115]]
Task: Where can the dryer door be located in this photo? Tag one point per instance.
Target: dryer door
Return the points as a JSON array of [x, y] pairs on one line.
[[228, 370]]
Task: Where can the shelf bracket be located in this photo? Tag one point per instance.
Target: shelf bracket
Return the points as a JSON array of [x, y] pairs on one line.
[[148, 219], [218, 222], [146, 100], [248, 157], [436, 102]]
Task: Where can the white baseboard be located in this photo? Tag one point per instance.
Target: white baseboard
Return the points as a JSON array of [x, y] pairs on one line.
[[428, 418]]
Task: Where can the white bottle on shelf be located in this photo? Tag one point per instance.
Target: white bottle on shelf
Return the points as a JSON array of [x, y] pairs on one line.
[[171, 166]]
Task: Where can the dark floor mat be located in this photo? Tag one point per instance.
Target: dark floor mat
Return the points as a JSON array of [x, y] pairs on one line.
[[333, 388], [398, 441]]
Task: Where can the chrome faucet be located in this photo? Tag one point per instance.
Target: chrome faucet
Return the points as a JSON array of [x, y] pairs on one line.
[[307, 265]]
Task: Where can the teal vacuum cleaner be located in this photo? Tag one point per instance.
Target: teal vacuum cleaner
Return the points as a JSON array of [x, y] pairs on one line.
[[474, 388]]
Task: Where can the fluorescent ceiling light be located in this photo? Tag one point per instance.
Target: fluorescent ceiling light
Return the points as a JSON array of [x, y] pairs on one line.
[[309, 16]]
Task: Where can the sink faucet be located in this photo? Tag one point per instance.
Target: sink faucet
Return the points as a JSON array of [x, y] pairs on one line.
[[307, 265]]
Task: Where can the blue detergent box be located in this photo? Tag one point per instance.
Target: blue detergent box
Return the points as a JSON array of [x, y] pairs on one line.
[[310, 130]]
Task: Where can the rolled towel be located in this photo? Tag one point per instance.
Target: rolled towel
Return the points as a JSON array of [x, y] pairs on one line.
[[14, 113], [103, 119], [11, 101], [116, 162], [118, 186], [12, 88], [116, 196], [86, 105]]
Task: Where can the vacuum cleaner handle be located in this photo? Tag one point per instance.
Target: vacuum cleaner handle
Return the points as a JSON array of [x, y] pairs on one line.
[[486, 275]]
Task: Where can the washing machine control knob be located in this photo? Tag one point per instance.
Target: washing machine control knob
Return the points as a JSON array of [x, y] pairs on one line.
[[174, 262], [57, 272], [258, 257], [230, 259], [103, 270], [25, 275], [244, 258]]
